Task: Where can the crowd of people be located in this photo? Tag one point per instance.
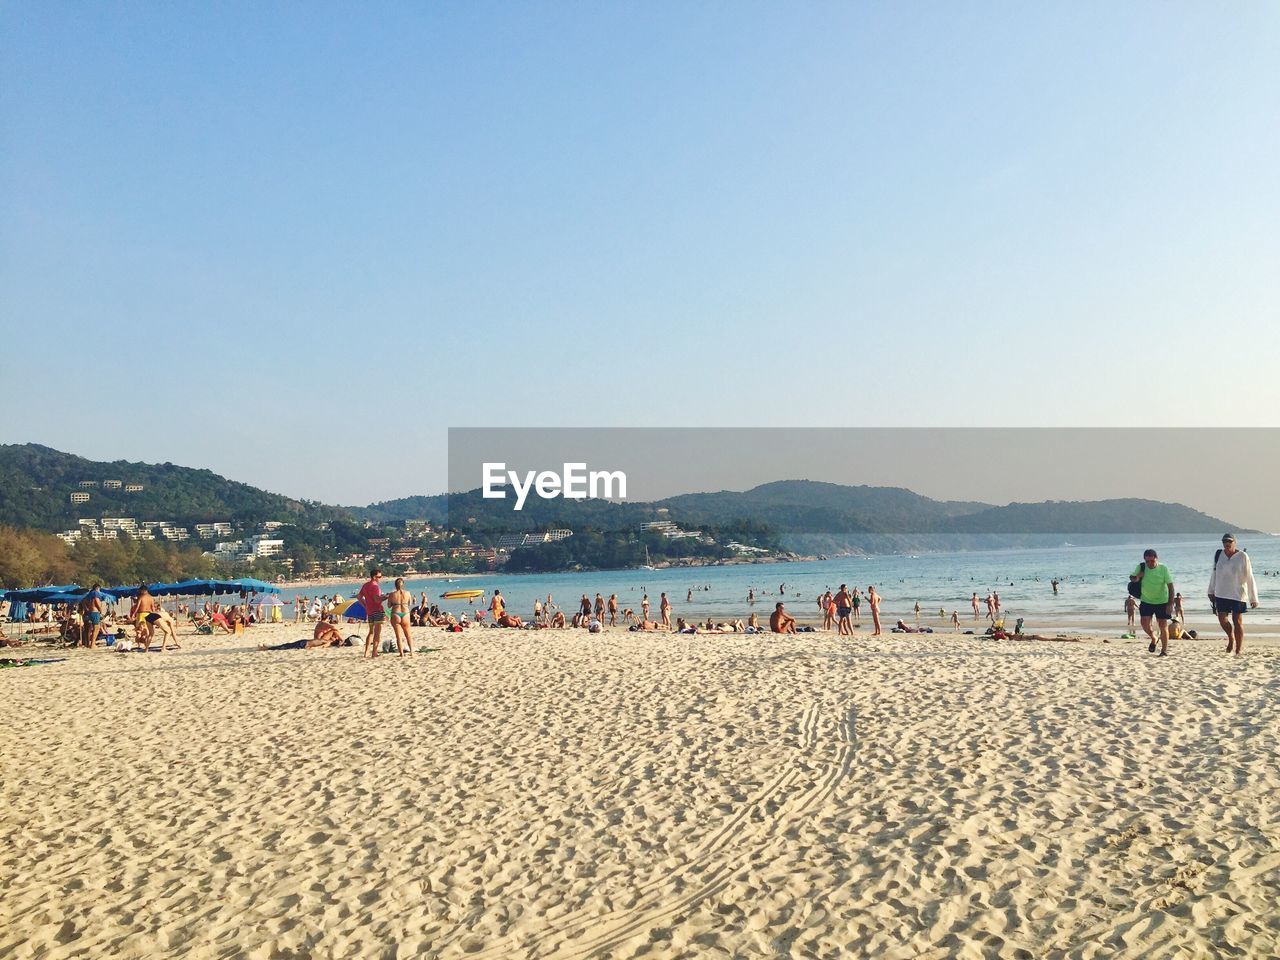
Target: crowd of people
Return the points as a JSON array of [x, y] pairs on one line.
[[1153, 603]]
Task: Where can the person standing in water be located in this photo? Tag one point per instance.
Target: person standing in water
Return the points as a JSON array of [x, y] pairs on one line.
[[664, 609], [917, 613], [400, 603], [856, 600]]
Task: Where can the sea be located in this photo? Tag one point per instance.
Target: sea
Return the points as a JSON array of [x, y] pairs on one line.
[[1091, 593]]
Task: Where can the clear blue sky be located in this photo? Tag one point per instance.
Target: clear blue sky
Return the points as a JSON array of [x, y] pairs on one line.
[[281, 230]]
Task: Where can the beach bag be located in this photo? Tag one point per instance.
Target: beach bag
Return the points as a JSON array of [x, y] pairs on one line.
[[1135, 586]]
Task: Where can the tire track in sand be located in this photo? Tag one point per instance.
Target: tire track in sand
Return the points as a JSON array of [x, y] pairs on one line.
[[581, 935]]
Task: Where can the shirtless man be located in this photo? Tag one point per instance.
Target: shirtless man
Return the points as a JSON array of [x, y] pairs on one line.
[[973, 602], [873, 601], [599, 608], [325, 635], [780, 621], [537, 611], [370, 596], [613, 609], [844, 607], [143, 615], [91, 610], [557, 620], [398, 605], [664, 608], [510, 620]]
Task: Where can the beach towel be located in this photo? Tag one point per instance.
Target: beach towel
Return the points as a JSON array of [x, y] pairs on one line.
[[27, 662]]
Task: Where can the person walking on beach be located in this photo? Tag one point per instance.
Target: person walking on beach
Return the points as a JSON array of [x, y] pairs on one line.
[[664, 609], [917, 613], [613, 609], [400, 603], [991, 610], [1231, 587], [370, 597], [856, 600], [1131, 611], [537, 611], [995, 599], [955, 620], [826, 608], [1156, 598], [497, 605], [873, 601], [844, 606], [599, 608], [973, 601], [299, 608]]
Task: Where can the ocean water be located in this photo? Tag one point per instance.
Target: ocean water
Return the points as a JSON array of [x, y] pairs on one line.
[[1091, 594]]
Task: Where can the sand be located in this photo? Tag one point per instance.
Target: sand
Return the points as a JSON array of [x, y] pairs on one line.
[[558, 794]]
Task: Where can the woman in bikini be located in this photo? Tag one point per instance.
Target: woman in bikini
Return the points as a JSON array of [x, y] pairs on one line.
[[399, 604]]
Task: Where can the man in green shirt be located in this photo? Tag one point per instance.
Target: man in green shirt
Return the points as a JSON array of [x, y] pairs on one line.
[[1156, 599]]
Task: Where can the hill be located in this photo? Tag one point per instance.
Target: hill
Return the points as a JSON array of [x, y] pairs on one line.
[[881, 516], [36, 484]]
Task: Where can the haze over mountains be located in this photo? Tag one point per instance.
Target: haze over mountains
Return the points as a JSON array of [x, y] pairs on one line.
[[36, 484]]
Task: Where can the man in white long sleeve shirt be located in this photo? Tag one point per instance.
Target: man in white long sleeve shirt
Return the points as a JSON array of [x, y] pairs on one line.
[[1231, 586]]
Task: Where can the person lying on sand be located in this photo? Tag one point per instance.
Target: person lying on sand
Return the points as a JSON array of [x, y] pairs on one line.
[[9, 641], [644, 625], [780, 621], [325, 635], [510, 620]]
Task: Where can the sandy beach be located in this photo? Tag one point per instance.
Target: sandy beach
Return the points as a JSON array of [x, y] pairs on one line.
[[559, 794]]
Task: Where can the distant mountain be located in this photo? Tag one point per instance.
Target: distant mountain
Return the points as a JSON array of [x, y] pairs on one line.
[[882, 518], [36, 484]]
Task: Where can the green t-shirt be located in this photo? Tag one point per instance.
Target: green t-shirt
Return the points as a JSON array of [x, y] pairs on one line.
[[1155, 583]]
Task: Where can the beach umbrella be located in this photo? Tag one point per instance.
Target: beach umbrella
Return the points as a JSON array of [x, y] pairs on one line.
[[352, 610], [250, 585], [75, 596], [38, 594]]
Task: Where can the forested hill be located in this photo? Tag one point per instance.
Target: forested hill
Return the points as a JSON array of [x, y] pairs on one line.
[[36, 484]]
